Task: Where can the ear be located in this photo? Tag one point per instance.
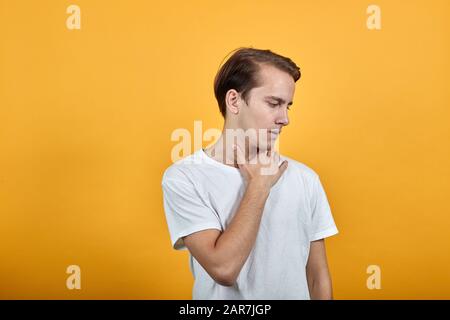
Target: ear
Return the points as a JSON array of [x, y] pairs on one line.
[[233, 101]]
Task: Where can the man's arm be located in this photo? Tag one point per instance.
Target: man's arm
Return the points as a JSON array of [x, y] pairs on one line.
[[223, 255], [318, 276]]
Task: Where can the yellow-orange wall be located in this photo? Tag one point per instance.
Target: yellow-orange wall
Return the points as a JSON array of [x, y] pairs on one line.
[[86, 118]]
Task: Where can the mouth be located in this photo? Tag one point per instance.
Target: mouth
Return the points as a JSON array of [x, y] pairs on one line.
[[275, 131], [274, 134]]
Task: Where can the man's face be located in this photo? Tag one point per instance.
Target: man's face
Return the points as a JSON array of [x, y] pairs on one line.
[[267, 107]]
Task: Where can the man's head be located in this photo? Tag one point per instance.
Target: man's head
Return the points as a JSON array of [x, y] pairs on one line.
[[254, 89]]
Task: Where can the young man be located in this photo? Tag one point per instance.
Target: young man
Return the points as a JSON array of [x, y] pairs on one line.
[[254, 227]]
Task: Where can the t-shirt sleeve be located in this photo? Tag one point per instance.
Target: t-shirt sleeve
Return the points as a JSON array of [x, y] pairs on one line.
[[185, 211], [322, 222]]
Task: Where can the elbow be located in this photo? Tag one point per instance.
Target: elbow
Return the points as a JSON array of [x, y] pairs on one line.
[[225, 278], [226, 282]]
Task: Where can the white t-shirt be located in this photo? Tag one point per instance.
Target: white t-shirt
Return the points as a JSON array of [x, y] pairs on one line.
[[201, 193]]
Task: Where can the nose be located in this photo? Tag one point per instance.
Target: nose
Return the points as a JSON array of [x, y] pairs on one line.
[[283, 118]]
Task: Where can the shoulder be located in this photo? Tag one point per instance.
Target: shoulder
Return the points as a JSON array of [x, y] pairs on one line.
[[179, 170], [297, 167], [303, 174]]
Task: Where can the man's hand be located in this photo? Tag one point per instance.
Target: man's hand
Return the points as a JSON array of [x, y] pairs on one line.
[[263, 170]]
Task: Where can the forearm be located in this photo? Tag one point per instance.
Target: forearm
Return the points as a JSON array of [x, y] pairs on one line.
[[320, 287], [235, 244]]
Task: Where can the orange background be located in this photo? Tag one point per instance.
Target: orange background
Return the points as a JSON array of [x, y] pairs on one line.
[[86, 118]]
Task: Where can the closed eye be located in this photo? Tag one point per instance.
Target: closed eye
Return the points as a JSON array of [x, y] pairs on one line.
[[273, 105]]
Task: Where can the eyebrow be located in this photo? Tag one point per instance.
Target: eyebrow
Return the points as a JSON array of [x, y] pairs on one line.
[[278, 99]]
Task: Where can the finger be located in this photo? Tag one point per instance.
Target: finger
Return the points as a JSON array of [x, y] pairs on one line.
[[247, 148], [239, 156], [282, 168], [276, 157]]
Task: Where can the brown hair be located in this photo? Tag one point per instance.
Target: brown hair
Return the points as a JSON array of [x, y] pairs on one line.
[[240, 72]]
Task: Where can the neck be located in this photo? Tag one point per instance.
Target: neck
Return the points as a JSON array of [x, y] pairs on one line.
[[222, 150]]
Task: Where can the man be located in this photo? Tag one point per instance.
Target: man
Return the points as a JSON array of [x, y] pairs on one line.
[[254, 227]]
